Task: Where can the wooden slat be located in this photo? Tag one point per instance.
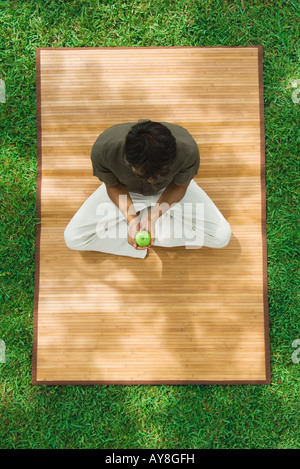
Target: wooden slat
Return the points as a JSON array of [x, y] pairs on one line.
[[200, 316]]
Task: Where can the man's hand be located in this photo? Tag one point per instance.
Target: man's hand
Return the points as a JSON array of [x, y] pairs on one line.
[[134, 227], [148, 224], [127, 208]]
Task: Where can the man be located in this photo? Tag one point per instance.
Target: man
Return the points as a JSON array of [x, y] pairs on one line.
[[147, 165]]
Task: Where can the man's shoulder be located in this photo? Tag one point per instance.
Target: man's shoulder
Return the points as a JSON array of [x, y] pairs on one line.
[[187, 148], [184, 138], [109, 145], [110, 142], [119, 131], [113, 134]]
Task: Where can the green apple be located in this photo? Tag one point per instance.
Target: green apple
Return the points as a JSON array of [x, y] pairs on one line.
[[143, 238]]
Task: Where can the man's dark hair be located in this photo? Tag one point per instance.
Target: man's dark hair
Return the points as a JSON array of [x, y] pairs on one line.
[[150, 148]]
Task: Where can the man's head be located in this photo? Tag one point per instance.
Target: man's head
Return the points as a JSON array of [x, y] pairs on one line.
[[150, 148]]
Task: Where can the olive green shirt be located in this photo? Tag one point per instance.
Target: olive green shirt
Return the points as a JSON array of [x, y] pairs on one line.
[[110, 164]]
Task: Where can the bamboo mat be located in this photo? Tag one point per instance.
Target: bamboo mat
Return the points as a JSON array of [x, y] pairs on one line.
[[179, 316]]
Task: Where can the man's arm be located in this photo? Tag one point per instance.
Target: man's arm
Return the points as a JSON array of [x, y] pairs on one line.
[[126, 206], [172, 194], [176, 190], [114, 192]]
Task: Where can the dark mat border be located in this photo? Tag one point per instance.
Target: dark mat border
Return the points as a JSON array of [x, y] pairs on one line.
[[263, 228]]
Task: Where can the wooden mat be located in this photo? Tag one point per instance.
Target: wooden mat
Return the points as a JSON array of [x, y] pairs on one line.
[[179, 316]]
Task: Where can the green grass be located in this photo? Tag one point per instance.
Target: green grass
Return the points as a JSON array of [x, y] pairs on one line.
[[146, 416]]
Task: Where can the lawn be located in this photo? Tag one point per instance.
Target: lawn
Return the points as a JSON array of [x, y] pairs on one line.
[[144, 416]]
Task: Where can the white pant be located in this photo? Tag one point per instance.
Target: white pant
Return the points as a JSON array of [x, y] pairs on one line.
[[195, 221]]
